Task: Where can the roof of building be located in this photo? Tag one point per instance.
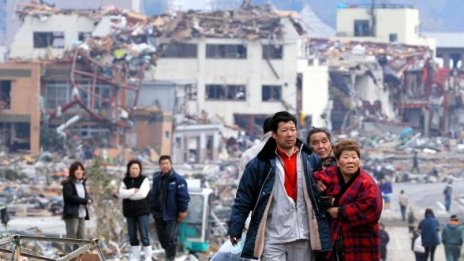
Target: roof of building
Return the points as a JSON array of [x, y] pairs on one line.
[[449, 39]]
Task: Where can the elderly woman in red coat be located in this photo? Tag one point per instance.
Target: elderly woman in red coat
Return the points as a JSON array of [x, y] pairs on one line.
[[356, 207]]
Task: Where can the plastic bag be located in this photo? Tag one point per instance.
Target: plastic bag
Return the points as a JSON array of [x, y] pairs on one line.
[[228, 252]]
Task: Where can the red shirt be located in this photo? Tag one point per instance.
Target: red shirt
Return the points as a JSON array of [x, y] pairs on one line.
[[289, 163]]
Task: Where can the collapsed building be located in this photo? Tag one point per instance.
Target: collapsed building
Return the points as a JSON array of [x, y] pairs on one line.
[[96, 67], [388, 85]]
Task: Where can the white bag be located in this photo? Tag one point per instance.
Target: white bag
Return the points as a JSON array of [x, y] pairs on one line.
[[418, 245], [228, 252]]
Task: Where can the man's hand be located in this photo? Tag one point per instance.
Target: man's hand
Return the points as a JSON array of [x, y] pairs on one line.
[[181, 216], [233, 240]]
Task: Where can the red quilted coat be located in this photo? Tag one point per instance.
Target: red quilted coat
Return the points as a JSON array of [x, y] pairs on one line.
[[361, 203]]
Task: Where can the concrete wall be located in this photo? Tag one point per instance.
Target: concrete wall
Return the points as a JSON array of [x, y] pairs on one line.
[[25, 97], [315, 90], [401, 21], [22, 45], [253, 72]]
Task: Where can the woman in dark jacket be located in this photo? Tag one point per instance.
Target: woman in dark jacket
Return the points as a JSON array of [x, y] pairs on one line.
[[134, 191], [75, 199], [429, 228]]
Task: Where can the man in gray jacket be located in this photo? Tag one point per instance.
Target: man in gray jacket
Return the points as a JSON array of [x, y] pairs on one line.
[[288, 219]]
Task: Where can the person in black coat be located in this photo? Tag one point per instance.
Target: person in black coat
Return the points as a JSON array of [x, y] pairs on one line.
[[134, 192], [75, 199], [384, 239]]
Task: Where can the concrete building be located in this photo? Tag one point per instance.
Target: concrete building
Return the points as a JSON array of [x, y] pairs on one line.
[[450, 47], [237, 80], [46, 39], [383, 23], [20, 106], [196, 143]]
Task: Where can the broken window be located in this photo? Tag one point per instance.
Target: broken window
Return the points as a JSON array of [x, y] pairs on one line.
[[271, 93], [272, 51], [84, 35], [361, 28], [191, 91], [225, 92], [180, 50], [393, 38], [47, 39], [231, 51], [5, 95]]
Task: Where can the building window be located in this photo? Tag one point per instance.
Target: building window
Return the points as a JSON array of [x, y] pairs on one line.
[[57, 93], [393, 38], [180, 50], [225, 92], [230, 51], [5, 95], [271, 51], [361, 28], [455, 61], [48, 39], [191, 91], [271, 93], [84, 35]]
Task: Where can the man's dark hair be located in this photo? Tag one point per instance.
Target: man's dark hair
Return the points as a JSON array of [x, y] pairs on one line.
[[317, 130], [164, 157], [281, 116], [267, 125]]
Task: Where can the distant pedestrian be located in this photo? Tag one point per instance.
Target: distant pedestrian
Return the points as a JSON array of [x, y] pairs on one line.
[[387, 190], [452, 239], [415, 163], [412, 220], [75, 199], [404, 201], [384, 239], [416, 246], [448, 192], [134, 190], [169, 203], [429, 228]]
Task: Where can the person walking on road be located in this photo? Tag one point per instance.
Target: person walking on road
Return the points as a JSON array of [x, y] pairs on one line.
[[415, 163], [448, 192], [169, 203], [288, 221], [133, 191], [357, 206], [429, 228], [452, 239], [384, 239], [416, 246], [412, 220], [404, 201]]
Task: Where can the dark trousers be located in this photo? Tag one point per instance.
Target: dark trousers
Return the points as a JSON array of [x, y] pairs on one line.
[[420, 256], [167, 232], [139, 223], [403, 212], [430, 251], [447, 203]]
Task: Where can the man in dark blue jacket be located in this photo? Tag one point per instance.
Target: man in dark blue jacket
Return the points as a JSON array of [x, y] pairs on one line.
[[169, 203], [288, 219]]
